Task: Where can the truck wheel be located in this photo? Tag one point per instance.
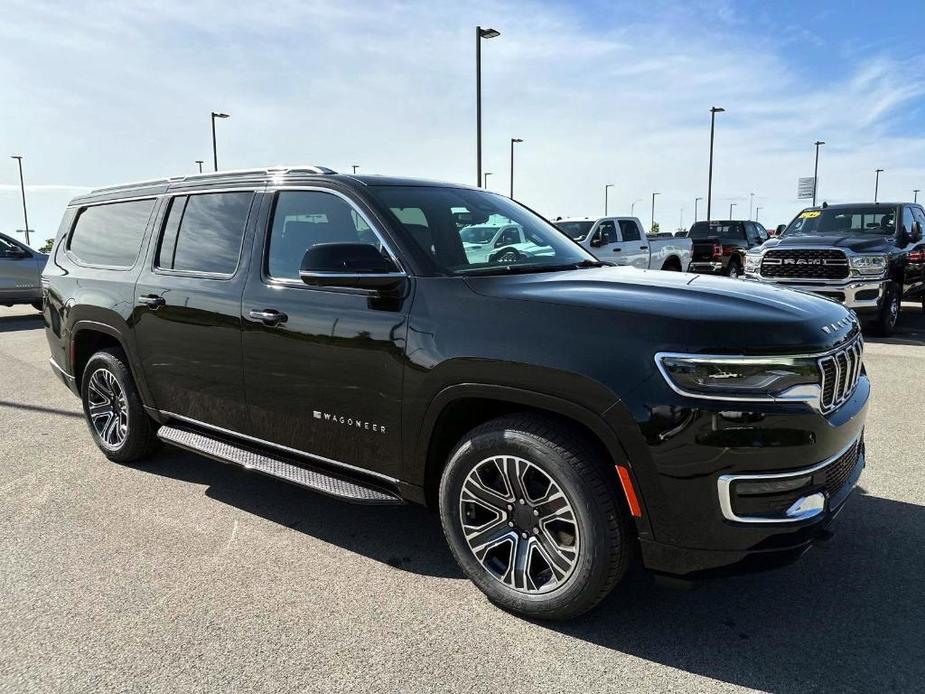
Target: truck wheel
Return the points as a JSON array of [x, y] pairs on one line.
[[888, 315], [37, 305], [734, 269], [117, 421], [532, 519]]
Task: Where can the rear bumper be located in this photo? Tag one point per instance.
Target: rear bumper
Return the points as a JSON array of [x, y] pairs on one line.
[[710, 267], [857, 294]]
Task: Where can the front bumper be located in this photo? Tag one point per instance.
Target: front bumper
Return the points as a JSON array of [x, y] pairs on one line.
[[858, 294]]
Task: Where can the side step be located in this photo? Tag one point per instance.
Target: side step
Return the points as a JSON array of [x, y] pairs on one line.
[[277, 466]]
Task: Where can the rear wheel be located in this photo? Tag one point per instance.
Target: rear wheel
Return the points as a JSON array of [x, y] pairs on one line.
[[116, 418], [532, 519]]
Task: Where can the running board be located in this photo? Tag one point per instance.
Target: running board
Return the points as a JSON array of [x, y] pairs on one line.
[[277, 466]]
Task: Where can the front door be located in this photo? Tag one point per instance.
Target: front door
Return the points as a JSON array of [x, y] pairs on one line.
[[323, 367], [635, 247], [19, 272], [188, 311]]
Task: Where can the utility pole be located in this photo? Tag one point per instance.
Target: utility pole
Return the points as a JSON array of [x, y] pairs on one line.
[[652, 225], [485, 179], [877, 183], [214, 146], [22, 189], [200, 162], [731, 205], [480, 34], [713, 111], [606, 190], [818, 144], [513, 140], [696, 200]]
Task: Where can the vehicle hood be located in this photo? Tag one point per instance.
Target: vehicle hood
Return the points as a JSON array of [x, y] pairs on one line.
[[676, 311], [859, 243]]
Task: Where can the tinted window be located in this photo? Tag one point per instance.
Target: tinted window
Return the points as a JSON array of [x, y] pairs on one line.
[[717, 230], [577, 230], [303, 218], [629, 230], [203, 233], [907, 220], [607, 233], [918, 215], [6, 247], [110, 234]]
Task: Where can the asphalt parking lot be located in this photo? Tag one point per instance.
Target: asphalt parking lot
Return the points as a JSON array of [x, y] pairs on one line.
[[189, 575]]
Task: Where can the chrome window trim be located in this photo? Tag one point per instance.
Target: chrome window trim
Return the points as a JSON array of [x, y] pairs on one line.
[[321, 458], [724, 488], [811, 394]]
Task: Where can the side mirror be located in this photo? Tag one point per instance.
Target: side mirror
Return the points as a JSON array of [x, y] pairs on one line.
[[352, 265]]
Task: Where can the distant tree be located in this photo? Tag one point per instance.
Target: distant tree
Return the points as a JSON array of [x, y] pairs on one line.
[[46, 247], [654, 229]]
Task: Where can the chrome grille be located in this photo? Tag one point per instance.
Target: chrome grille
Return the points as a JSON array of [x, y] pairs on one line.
[[840, 372], [805, 263]]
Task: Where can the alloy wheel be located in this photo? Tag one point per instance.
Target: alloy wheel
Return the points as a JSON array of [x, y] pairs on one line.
[[519, 524], [107, 408]]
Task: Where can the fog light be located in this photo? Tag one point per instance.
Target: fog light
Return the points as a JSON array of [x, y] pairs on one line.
[[771, 486]]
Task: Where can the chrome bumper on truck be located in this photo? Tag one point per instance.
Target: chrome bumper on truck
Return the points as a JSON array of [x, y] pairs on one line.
[[855, 294]]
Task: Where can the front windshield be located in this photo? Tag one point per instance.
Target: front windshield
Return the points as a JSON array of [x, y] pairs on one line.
[[843, 220], [576, 230], [476, 232]]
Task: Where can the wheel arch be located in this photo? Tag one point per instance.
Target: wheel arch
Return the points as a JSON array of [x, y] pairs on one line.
[[90, 336], [460, 408]]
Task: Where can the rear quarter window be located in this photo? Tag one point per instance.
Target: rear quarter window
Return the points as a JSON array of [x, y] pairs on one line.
[[110, 235]]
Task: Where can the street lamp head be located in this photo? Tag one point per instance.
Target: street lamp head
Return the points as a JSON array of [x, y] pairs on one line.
[[516, 139], [879, 171], [16, 156], [489, 33], [220, 115], [717, 109], [819, 142]]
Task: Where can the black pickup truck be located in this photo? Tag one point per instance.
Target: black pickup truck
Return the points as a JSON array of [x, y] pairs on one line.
[[718, 247], [868, 256], [563, 415]]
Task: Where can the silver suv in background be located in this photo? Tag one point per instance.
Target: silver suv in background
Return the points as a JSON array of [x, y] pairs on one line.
[[20, 273]]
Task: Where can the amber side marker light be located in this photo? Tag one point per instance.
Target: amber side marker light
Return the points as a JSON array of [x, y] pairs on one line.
[[628, 490]]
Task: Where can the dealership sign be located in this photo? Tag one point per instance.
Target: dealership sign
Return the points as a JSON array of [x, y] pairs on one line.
[[805, 187]]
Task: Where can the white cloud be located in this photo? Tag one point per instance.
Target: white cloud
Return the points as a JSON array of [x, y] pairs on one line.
[[99, 93]]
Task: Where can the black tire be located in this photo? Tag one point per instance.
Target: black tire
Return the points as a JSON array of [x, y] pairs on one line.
[[734, 268], [136, 438], [602, 527], [37, 305], [672, 265], [890, 308]]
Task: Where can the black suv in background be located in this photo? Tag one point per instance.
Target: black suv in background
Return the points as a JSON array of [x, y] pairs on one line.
[[335, 332], [718, 247], [868, 256]]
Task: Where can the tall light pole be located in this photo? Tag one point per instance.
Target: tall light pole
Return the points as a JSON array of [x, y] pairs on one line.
[[696, 200], [633, 206], [606, 191], [681, 223], [485, 179], [214, 146], [818, 144], [513, 140], [915, 193], [877, 183], [751, 202], [713, 111], [355, 167], [757, 210], [731, 205], [22, 189], [652, 225], [480, 34], [200, 162]]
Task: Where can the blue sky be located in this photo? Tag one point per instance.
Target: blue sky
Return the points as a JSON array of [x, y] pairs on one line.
[[601, 92]]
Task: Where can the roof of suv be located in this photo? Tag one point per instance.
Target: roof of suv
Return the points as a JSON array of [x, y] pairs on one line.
[[843, 205], [243, 176]]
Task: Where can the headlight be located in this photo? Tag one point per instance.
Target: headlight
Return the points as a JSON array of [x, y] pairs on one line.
[[752, 262], [737, 376], [868, 264]]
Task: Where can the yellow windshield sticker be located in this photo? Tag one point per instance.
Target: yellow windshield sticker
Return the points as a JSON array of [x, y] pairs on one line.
[[809, 214]]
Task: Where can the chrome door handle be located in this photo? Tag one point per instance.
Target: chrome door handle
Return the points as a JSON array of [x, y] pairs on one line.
[[268, 316], [152, 301]]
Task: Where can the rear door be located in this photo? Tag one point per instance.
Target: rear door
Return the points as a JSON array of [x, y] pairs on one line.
[[19, 271], [323, 366], [914, 274], [188, 307], [635, 244]]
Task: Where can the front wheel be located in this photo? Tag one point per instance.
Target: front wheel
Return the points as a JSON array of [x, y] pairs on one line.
[[116, 418], [532, 518], [888, 314], [733, 269]]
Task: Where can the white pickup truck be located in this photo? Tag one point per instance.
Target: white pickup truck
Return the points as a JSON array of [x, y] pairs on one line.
[[623, 241]]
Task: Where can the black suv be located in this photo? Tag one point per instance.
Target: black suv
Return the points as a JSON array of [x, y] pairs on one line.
[[719, 247], [868, 256], [335, 332]]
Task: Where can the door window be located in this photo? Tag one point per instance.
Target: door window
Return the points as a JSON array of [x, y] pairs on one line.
[[918, 216], [303, 218], [629, 230], [608, 233], [203, 233], [7, 249], [110, 235], [907, 220]]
